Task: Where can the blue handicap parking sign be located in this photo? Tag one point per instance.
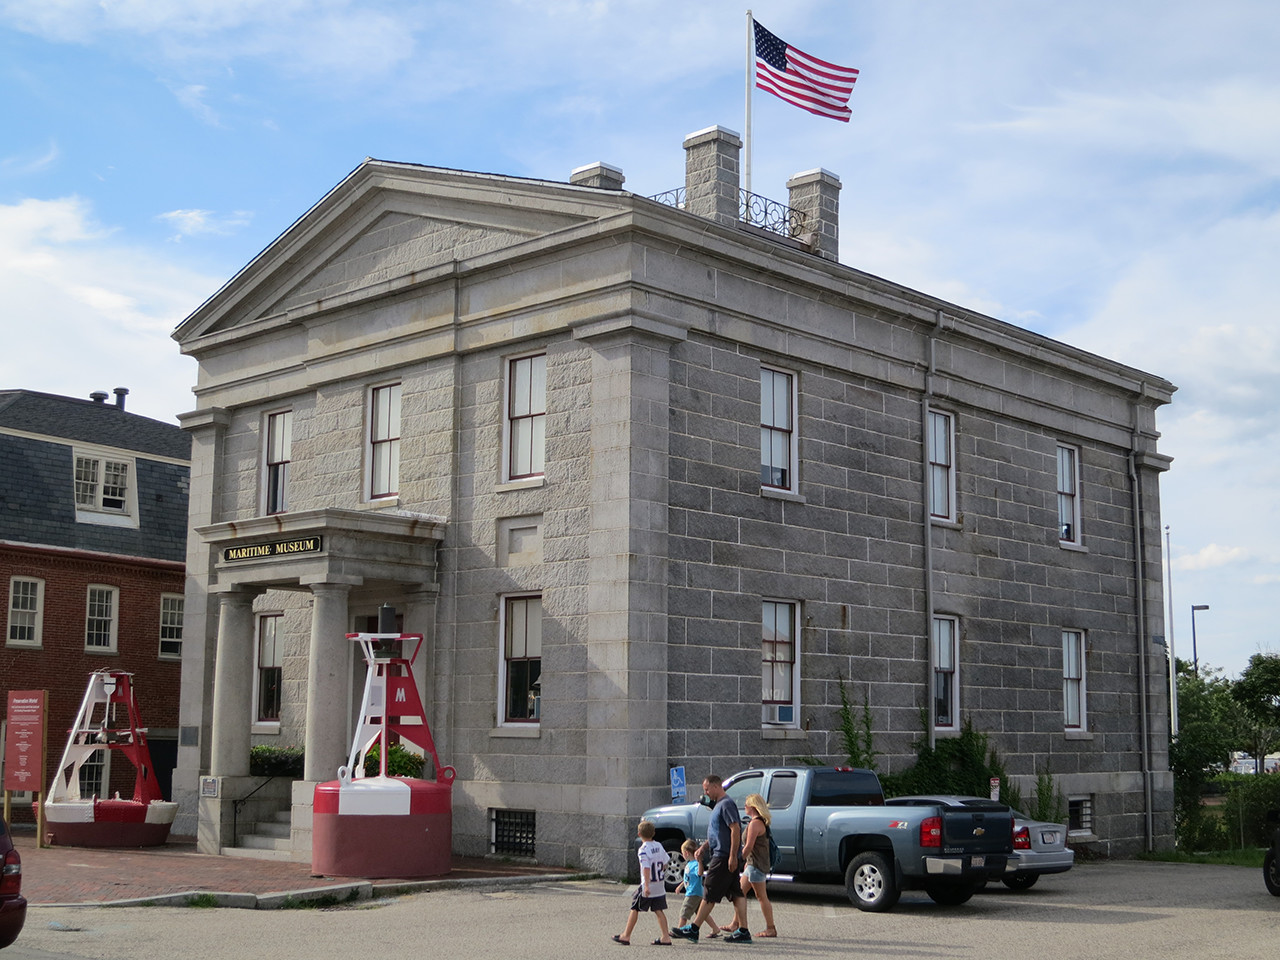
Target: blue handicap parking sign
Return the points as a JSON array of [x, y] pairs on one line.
[[677, 785]]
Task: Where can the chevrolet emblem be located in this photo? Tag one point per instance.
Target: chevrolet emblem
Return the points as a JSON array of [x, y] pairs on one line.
[[978, 831]]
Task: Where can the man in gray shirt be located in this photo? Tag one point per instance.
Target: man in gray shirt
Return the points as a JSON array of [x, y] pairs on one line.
[[724, 842]]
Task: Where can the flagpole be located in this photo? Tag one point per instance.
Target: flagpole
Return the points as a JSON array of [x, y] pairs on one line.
[[746, 166]]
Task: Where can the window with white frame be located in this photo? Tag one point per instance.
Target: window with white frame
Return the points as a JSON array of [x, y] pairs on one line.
[[942, 475], [779, 677], [171, 605], [384, 441], [1069, 494], [521, 678], [102, 618], [526, 416], [946, 678], [777, 430], [269, 675], [277, 451], [104, 488], [26, 612], [1073, 679]]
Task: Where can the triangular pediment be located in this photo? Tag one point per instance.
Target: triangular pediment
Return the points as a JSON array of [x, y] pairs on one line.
[[384, 223], [394, 245]]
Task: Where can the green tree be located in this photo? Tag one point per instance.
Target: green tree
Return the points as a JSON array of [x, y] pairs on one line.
[[1258, 694], [1207, 734]]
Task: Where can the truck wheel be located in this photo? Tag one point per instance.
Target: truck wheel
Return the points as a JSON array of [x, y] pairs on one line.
[[673, 872], [950, 894], [1271, 873], [1021, 881], [870, 883]]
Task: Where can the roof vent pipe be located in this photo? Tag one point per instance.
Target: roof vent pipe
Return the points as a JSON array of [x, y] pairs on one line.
[[99, 396], [121, 393]]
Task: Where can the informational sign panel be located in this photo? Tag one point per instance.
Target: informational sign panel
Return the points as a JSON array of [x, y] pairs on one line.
[[24, 741], [995, 788], [677, 785]]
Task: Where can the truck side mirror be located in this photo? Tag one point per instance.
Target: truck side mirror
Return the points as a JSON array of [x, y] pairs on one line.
[[705, 801]]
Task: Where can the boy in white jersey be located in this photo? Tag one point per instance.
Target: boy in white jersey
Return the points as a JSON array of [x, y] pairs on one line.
[[652, 894]]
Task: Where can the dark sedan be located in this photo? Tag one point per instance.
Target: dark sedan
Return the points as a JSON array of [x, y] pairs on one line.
[[13, 907]]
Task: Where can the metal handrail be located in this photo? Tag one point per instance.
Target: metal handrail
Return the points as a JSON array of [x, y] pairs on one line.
[[753, 209]]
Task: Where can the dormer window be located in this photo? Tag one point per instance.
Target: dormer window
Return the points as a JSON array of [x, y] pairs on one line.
[[105, 489]]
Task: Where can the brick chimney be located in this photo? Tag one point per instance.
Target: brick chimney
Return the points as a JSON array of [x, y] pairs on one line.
[[598, 174], [816, 194], [712, 174]]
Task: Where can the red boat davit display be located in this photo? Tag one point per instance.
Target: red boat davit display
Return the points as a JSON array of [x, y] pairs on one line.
[[108, 723]]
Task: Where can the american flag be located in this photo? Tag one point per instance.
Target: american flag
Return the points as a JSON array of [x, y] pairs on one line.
[[804, 81]]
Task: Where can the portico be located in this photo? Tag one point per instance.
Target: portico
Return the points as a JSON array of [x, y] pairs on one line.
[[342, 558]]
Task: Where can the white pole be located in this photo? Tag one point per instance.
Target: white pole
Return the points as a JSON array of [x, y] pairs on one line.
[[1173, 657], [751, 71]]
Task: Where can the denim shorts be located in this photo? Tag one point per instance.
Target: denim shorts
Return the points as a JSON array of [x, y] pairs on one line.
[[754, 874]]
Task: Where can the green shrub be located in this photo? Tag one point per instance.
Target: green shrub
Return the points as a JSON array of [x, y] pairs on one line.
[[400, 762], [964, 764], [270, 761], [1244, 811]]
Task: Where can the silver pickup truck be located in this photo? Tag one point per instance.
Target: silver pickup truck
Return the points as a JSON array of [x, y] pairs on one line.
[[833, 824]]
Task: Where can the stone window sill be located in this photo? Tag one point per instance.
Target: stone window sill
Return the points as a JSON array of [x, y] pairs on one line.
[[529, 731], [782, 733]]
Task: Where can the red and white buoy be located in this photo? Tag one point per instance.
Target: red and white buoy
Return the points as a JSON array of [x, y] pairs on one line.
[[75, 820], [385, 826]]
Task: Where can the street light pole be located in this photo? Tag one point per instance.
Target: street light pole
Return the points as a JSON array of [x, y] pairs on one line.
[[1195, 657]]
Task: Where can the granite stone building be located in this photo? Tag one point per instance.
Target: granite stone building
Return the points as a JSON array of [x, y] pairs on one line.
[[651, 478], [93, 529]]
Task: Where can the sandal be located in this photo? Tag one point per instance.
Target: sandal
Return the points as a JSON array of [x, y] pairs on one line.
[[618, 939], [713, 934], [768, 932], [661, 943]]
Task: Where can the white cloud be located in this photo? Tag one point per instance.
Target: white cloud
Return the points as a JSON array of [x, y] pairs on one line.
[[85, 312], [192, 98], [20, 165], [190, 223], [1211, 557]]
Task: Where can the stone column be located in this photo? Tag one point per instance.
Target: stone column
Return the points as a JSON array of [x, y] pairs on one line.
[[208, 430], [816, 194], [233, 686], [712, 174], [625, 743], [328, 670]]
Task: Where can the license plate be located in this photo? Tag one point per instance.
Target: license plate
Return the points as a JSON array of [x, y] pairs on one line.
[[1049, 836], [978, 861]]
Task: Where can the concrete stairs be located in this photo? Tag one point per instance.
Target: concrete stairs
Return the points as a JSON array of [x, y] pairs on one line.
[[265, 839]]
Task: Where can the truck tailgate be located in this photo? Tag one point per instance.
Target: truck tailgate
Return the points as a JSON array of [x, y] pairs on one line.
[[972, 829]]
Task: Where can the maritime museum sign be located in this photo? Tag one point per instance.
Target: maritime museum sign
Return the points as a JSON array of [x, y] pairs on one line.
[[276, 548]]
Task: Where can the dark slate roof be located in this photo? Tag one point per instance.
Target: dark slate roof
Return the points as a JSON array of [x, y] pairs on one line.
[[87, 421]]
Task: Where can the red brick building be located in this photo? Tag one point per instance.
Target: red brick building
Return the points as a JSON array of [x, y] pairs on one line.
[[93, 508]]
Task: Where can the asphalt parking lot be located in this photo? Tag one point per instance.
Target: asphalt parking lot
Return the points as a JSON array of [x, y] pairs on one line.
[[1117, 910]]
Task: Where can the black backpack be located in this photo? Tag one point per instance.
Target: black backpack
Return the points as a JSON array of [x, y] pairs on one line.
[[775, 853]]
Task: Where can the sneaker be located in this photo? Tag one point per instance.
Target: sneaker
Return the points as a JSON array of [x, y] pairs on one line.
[[687, 932], [741, 935]]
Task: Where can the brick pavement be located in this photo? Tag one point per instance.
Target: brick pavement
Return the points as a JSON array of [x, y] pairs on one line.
[[92, 875]]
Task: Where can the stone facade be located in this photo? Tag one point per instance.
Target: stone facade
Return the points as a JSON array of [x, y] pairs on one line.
[[647, 533]]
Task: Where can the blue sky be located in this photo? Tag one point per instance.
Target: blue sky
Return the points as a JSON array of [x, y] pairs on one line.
[[1107, 174]]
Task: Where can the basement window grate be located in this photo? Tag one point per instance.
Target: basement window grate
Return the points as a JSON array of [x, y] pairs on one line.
[[513, 832]]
